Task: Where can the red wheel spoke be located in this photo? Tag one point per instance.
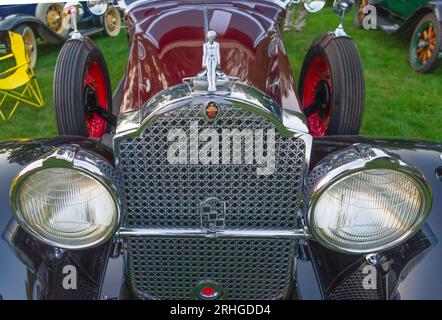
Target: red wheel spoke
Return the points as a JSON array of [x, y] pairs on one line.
[[318, 114], [95, 84]]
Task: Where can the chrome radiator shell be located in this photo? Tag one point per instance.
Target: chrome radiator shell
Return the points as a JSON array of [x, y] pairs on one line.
[[158, 197]]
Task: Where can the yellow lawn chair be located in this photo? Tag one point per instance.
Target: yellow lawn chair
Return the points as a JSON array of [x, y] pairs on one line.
[[17, 79]]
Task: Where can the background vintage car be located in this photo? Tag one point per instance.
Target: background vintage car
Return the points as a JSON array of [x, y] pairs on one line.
[[410, 270], [47, 22], [419, 20]]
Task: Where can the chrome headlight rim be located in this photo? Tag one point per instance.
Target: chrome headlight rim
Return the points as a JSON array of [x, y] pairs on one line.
[[74, 158], [368, 157]]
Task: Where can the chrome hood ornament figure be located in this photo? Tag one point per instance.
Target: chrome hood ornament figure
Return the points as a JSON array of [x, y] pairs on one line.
[[211, 80], [211, 59]]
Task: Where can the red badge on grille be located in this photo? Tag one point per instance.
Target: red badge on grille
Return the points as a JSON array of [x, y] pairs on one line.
[[208, 293], [208, 290], [212, 111]]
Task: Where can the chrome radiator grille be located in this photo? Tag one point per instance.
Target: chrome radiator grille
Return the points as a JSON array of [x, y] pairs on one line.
[[158, 194], [246, 269]]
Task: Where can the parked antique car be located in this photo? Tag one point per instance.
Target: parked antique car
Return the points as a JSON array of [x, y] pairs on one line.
[[47, 21], [420, 20], [212, 185]]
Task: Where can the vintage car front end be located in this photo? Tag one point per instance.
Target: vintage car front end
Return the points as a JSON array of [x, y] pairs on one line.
[[209, 196], [232, 169], [215, 187]]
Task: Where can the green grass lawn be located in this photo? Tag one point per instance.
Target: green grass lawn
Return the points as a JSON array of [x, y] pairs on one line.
[[29, 122], [399, 102]]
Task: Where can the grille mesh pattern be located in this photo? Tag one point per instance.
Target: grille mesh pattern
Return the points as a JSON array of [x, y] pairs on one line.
[[159, 194], [87, 288], [351, 288], [163, 195], [245, 269]]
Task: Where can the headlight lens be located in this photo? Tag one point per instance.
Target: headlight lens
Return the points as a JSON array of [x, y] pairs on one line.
[[66, 207], [368, 209]]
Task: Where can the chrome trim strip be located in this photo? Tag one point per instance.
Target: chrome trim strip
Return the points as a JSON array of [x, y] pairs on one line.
[[296, 234]]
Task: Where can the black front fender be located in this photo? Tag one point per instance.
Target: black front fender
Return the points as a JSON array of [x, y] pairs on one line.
[[409, 271], [29, 268]]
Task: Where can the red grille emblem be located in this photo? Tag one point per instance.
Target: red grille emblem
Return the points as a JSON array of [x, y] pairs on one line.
[[208, 293], [212, 111], [208, 290]]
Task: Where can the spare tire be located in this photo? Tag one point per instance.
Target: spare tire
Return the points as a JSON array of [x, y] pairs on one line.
[[82, 90], [332, 87]]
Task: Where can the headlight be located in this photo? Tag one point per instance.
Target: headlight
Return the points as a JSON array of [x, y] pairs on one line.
[[67, 200], [362, 200]]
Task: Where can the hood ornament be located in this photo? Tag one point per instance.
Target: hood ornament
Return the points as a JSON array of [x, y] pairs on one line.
[[211, 59], [211, 80]]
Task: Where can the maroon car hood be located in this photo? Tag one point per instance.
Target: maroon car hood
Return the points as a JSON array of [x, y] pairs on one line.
[[166, 39]]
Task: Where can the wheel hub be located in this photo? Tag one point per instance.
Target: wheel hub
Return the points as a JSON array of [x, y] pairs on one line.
[[111, 20], [28, 43], [317, 96], [90, 101], [93, 108], [322, 98], [425, 43], [94, 95], [54, 19]]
